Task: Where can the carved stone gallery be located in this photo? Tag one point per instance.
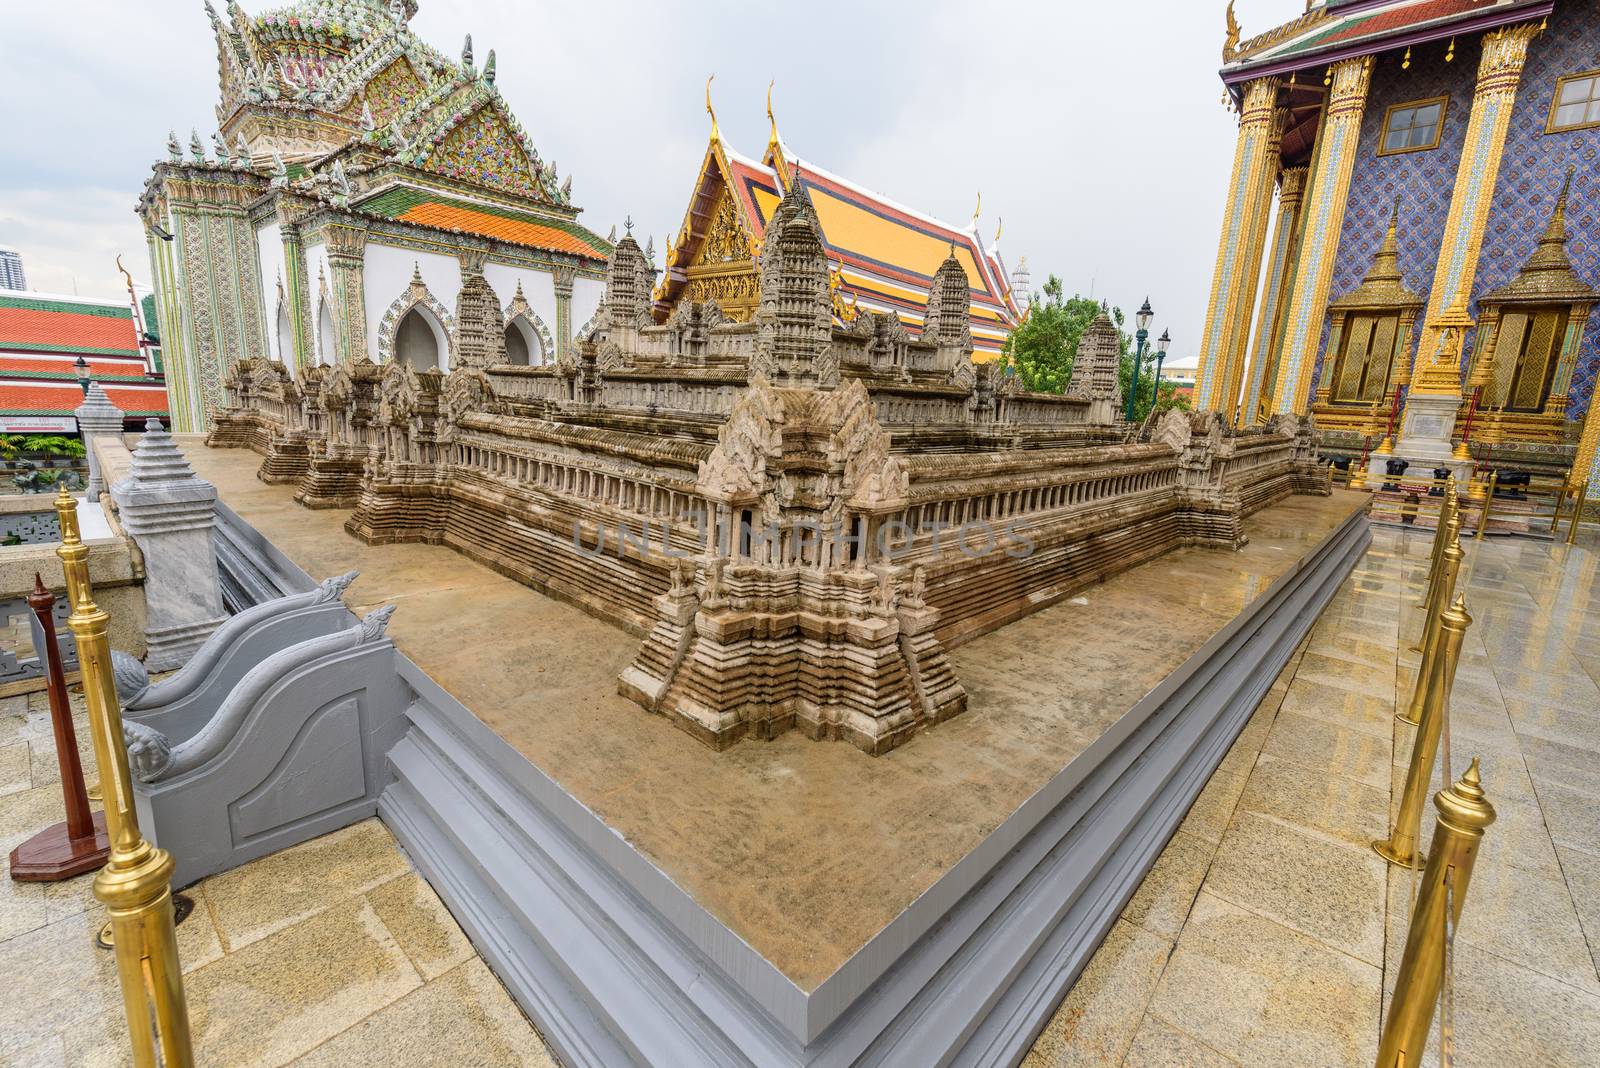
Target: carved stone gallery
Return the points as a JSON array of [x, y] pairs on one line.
[[799, 517]]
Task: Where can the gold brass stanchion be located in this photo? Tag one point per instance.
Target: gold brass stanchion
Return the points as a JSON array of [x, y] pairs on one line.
[[1447, 507], [1577, 513], [1437, 673], [135, 885], [1488, 502], [1464, 813], [1439, 594]]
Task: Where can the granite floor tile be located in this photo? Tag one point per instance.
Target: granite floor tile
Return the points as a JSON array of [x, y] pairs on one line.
[[46, 768], [1563, 765], [283, 995], [1580, 730], [1288, 998], [1327, 749], [68, 982], [1339, 808], [1345, 677], [1211, 812], [1162, 902], [1095, 1023], [1505, 1014], [464, 1017], [421, 924], [1581, 871], [1357, 711], [1528, 920], [254, 901], [1572, 817], [27, 812], [1159, 1045], [22, 907], [14, 775], [1325, 888]]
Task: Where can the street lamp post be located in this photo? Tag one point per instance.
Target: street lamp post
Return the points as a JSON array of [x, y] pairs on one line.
[[1162, 343], [81, 366], [1142, 321]]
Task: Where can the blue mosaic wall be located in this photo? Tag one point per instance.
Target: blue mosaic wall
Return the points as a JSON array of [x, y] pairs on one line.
[[1531, 171]]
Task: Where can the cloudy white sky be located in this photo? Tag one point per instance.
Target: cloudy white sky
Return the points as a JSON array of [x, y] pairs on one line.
[[1094, 129]]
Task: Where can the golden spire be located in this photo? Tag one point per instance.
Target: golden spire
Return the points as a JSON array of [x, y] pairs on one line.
[[772, 137], [716, 133], [977, 211], [1550, 256], [999, 228]]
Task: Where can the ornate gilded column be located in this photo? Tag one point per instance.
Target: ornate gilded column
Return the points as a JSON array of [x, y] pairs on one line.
[[1438, 372], [1280, 273], [1327, 190], [1427, 427], [346, 245], [1244, 232], [563, 277]]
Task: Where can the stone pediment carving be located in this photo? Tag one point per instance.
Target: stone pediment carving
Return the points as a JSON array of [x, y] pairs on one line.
[[466, 390], [397, 394], [737, 467], [872, 476]]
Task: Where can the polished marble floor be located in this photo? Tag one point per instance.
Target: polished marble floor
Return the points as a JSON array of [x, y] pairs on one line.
[[1266, 934], [1269, 933]]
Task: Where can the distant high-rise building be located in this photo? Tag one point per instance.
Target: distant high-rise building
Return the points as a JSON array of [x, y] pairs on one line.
[[11, 270]]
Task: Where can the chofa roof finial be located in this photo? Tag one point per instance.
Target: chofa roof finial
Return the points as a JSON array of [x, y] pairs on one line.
[[716, 133]]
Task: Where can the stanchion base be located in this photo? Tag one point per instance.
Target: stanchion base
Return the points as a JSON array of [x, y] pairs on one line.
[[181, 907], [1389, 853], [51, 856], [1405, 718]]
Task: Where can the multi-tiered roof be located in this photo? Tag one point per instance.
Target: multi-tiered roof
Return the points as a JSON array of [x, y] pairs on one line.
[[417, 137], [883, 256]]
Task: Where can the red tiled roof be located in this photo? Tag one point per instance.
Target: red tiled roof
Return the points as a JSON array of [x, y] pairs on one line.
[[62, 366], [41, 329], [37, 399]]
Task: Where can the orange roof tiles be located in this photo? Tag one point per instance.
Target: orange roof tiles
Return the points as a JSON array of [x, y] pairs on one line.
[[65, 331], [62, 400], [488, 224]]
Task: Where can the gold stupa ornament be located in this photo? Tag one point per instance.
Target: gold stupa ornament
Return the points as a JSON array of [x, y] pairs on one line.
[[1439, 363]]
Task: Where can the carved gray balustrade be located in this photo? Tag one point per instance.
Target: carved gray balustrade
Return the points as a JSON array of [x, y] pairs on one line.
[[278, 736]]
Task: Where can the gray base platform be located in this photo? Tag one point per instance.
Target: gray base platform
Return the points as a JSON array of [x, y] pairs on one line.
[[618, 966]]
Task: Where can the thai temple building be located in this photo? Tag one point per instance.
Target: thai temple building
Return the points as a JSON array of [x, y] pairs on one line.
[[364, 198], [1410, 242], [882, 256]]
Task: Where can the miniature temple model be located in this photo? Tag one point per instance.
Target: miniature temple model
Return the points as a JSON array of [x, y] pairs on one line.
[[799, 516], [358, 181]]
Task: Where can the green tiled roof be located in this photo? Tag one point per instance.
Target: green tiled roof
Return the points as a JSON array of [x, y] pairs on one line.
[[67, 306]]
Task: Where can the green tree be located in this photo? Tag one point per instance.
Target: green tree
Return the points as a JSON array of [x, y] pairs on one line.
[[1040, 351]]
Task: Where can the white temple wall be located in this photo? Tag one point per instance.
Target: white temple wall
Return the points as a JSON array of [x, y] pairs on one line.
[[586, 294], [318, 276], [538, 286], [388, 274], [272, 271]]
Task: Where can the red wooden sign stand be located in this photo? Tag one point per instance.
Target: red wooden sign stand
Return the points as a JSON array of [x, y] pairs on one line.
[[78, 844]]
